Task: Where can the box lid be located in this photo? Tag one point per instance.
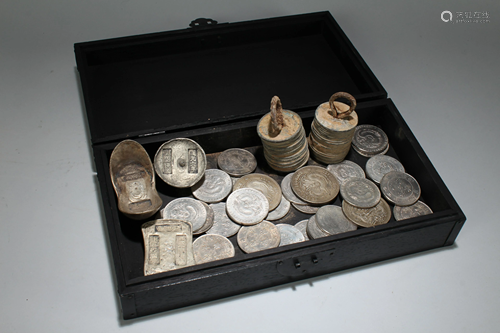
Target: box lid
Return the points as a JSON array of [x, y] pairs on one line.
[[154, 83]]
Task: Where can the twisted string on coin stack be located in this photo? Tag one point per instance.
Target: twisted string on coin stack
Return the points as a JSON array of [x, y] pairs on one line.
[[283, 138], [332, 129]]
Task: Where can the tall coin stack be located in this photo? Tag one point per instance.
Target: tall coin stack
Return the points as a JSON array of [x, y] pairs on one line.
[[283, 138], [332, 129]]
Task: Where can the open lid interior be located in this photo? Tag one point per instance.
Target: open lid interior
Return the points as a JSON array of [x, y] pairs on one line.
[[141, 85]]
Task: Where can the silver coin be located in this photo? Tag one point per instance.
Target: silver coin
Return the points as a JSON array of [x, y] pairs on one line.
[[215, 186], [279, 211], [306, 209], [287, 191], [313, 231], [400, 188], [407, 212], [346, 170], [186, 209], [167, 245], [360, 192], [371, 155], [262, 236], [209, 248], [368, 217], [315, 185], [237, 162], [302, 226], [332, 220], [289, 234], [247, 206], [370, 139], [180, 162], [209, 222], [377, 166], [223, 225], [263, 183]]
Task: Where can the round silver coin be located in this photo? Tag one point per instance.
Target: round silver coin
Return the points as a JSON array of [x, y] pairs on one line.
[[315, 185], [209, 222], [371, 155], [306, 209], [407, 212], [247, 206], [279, 211], [378, 165], [214, 187], [263, 183], [346, 170], [400, 188], [287, 191], [360, 192], [186, 209], [313, 231], [209, 248], [237, 162], [289, 234], [302, 226], [222, 225], [368, 217], [332, 220], [180, 162], [262, 236], [370, 139]]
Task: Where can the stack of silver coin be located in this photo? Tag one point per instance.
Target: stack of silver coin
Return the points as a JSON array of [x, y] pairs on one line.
[[370, 140], [283, 138], [332, 129]]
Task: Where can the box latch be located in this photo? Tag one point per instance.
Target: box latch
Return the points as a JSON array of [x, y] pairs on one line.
[[299, 266]]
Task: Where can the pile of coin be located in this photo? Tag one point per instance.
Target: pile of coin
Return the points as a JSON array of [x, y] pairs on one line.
[[283, 138], [370, 140], [332, 129]]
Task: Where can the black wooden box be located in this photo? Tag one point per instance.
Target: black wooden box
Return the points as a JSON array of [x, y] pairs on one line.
[[212, 83]]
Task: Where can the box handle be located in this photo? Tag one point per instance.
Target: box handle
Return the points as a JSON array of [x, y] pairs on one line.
[[200, 23], [347, 96]]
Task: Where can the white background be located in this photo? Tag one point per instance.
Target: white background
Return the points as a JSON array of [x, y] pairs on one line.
[[56, 272]]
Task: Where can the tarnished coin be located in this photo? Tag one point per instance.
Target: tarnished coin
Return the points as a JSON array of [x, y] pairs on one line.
[[209, 248], [289, 234], [371, 155], [186, 209], [368, 217], [209, 222], [180, 162], [262, 236], [332, 220], [214, 187], [287, 191], [237, 162], [247, 206], [407, 212], [400, 188], [223, 225], [306, 209], [370, 139], [315, 185], [346, 170], [263, 183], [279, 211], [378, 165], [302, 226], [360, 192], [313, 231], [167, 245]]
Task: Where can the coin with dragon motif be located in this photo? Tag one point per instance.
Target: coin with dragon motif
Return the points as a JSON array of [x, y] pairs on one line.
[[315, 185]]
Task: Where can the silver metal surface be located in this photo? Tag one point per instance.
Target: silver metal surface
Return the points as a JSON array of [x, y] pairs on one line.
[[237, 162], [247, 206], [360, 192], [378, 165], [315, 185], [289, 234], [407, 212], [223, 225], [302, 226], [262, 236], [368, 217], [313, 230], [280, 211], [369, 139], [215, 186], [346, 170], [263, 183], [209, 248], [186, 209], [400, 188], [332, 220]]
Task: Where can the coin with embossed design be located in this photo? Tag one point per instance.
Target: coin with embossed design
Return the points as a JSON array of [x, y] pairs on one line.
[[370, 139], [263, 183], [237, 162], [313, 229], [209, 248], [368, 217], [279, 211], [287, 191], [289, 234], [360, 192], [302, 226], [306, 209], [407, 212], [214, 187], [332, 220], [223, 225], [346, 170], [315, 185], [180, 162], [186, 209], [209, 222], [378, 165], [262, 236], [247, 206], [400, 188]]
